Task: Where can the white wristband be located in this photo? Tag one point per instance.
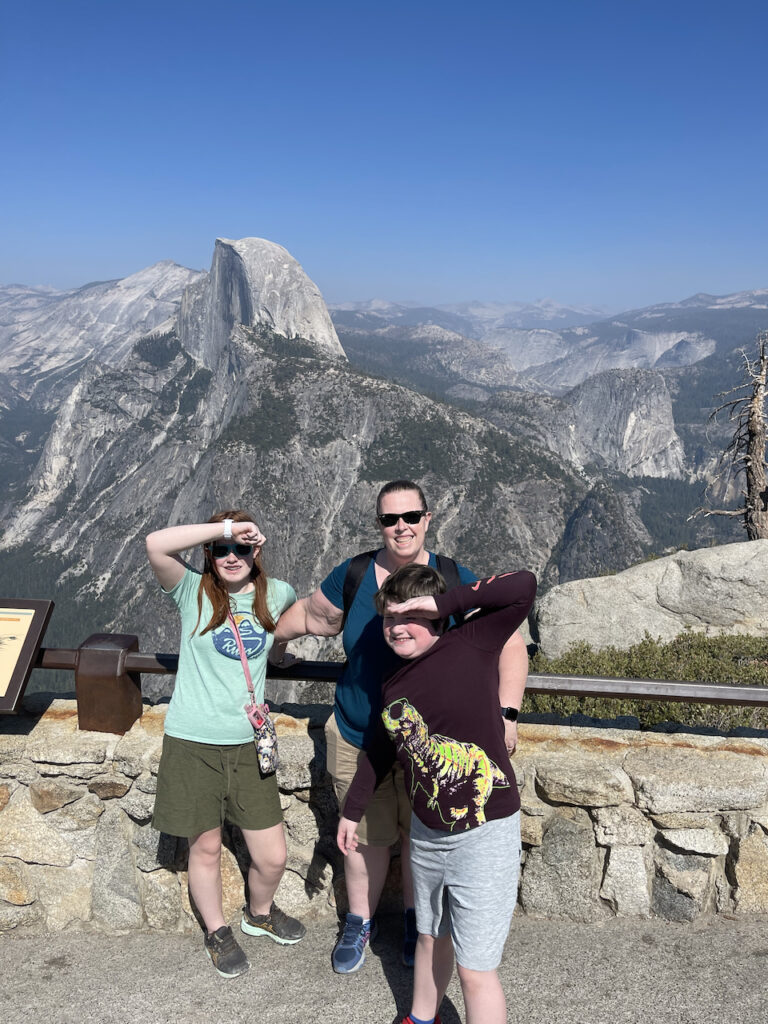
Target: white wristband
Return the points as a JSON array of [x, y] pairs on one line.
[[228, 529]]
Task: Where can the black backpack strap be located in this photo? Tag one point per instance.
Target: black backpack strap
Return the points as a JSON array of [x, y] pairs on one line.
[[450, 573], [357, 568], [448, 570]]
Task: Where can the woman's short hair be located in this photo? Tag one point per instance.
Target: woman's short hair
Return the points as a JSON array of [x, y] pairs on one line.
[[406, 582], [400, 485]]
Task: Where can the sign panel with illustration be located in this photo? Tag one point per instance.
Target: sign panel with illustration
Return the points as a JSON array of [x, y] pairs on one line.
[[22, 625]]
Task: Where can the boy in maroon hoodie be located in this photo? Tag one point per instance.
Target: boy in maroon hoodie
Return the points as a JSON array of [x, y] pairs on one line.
[[441, 719]]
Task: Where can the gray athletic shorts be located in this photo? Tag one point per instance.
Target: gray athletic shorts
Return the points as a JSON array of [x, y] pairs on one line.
[[465, 884]]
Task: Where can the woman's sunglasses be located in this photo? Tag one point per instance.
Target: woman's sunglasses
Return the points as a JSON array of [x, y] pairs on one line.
[[411, 518], [222, 550]]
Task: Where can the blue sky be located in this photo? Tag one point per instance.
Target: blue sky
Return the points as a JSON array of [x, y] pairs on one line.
[[611, 154]]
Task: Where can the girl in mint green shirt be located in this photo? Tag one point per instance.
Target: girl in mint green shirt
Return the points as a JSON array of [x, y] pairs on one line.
[[209, 770]]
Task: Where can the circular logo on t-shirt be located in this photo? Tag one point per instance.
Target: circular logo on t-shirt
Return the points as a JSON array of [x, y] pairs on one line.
[[253, 636]]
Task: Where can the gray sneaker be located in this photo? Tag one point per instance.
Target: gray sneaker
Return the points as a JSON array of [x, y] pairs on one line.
[[225, 954], [277, 925]]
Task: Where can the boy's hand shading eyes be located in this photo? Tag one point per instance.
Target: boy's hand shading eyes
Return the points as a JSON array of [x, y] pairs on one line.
[[426, 607]]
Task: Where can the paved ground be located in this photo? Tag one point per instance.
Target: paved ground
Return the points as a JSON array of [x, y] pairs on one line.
[[554, 972]]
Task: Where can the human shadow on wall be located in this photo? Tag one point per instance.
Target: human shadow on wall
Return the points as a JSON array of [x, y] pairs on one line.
[[322, 802], [173, 855]]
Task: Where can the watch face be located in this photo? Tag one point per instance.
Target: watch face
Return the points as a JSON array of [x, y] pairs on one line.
[[510, 714]]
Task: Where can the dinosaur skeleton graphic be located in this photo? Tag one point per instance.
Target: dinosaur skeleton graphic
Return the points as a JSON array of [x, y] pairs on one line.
[[458, 778]]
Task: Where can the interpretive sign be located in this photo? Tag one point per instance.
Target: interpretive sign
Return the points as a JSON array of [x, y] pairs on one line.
[[22, 626]]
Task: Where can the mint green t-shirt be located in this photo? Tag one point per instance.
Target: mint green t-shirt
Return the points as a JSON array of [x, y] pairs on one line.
[[210, 694]]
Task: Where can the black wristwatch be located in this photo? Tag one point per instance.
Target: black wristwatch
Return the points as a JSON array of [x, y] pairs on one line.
[[510, 714]]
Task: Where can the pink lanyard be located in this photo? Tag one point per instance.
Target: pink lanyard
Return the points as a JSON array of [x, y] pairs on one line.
[[243, 656]]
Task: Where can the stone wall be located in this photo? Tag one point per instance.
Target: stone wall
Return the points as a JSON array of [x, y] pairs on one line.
[[614, 823]]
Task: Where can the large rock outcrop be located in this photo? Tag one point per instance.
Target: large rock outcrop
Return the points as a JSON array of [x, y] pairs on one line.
[[712, 591], [253, 282], [624, 420]]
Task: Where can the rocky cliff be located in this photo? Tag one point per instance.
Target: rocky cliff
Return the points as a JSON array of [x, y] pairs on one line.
[[47, 336], [620, 420], [232, 389], [224, 403]]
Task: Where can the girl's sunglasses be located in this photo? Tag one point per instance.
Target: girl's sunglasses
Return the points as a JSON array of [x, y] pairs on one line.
[[222, 550], [411, 518]]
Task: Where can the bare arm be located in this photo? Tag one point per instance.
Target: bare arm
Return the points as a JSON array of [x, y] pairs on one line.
[[314, 615], [164, 546], [513, 675]]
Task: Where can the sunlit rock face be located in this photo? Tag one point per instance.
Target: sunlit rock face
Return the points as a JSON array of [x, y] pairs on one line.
[[619, 420], [253, 282], [46, 335], [712, 591], [624, 418]]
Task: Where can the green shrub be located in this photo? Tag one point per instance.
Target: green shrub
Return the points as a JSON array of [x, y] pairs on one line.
[[690, 657]]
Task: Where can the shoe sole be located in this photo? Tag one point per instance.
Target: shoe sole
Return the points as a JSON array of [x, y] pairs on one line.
[[254, 929], [222, 974]]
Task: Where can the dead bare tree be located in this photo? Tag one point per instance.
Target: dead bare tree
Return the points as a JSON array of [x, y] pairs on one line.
[[746, 452]]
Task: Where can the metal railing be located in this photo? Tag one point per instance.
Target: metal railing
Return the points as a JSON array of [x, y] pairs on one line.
[[571, 686], [108, 668]]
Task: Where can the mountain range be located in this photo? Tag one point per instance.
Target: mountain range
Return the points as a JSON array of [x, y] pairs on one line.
[[571, 448]]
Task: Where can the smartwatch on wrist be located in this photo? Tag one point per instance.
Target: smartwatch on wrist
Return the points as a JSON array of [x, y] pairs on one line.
[[509, 714]]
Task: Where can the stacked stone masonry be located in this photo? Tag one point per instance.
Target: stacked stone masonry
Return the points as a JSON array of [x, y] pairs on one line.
[[613, 823]]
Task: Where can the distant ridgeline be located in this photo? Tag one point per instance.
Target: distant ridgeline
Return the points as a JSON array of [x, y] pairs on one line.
[[128, 405]]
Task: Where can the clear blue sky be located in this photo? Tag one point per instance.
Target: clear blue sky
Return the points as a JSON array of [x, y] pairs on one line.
[[609, 153]]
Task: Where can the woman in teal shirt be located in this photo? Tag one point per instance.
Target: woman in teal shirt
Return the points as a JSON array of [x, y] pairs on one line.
[[209, 770]]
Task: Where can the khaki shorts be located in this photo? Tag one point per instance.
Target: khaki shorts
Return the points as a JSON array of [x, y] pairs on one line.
[[202, 785], [388, 810]]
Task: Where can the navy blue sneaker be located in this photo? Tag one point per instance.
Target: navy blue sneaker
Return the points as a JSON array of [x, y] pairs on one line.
[[349, 952], [409, 937]]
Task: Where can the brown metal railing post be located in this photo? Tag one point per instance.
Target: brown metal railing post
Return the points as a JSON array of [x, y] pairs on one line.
[[108, 695]]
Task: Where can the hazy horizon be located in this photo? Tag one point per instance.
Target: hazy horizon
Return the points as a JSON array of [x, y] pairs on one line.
[[463, 301]]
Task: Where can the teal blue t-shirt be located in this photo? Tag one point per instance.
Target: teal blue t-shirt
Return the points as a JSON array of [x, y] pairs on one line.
[[369, 660], [208, 700]]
